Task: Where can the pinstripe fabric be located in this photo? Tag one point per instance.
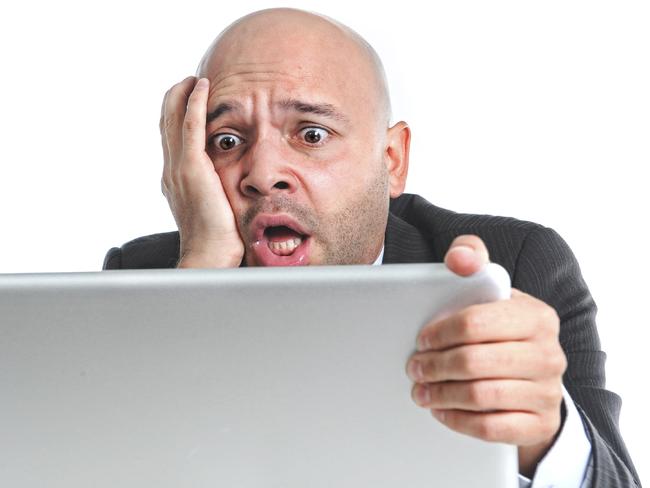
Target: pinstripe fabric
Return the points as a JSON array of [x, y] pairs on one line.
[[539, 263]]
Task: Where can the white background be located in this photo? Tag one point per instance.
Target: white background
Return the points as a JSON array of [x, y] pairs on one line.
[[537, 110]]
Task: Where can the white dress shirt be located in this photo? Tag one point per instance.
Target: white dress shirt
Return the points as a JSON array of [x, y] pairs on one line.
[[564, 465]]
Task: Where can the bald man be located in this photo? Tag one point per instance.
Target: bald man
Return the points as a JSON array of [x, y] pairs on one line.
[[280, 152]]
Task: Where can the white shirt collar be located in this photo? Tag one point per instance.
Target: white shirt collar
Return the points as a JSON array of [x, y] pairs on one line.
[[380, 258]]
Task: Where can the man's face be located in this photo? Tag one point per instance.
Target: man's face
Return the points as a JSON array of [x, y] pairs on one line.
[[293, 133]]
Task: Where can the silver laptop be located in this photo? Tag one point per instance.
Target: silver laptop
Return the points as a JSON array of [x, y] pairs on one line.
[[241, 378]]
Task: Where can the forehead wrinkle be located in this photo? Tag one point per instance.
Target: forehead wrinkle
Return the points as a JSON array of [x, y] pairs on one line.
[[264, 75], [228, 80], [327, 110], [231, 86]]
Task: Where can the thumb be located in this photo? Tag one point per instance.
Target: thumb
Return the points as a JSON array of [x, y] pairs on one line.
[[467, 255]]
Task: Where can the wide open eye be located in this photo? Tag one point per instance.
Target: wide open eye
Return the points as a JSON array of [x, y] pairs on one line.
[[225, 142], [314, 135]]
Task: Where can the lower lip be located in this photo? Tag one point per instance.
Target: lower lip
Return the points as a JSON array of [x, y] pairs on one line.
[[265, 257]]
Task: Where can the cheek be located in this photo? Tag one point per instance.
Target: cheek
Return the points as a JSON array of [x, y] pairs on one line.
[[329, 169], [333, 182]]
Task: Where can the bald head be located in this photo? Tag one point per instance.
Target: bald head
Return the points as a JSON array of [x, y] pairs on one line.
[[308, 44]]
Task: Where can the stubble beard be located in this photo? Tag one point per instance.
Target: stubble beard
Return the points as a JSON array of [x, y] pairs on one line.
[[359, 227], [351, 235]]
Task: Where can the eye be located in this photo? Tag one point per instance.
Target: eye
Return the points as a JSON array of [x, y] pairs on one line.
[[226, 142], [314, 135]]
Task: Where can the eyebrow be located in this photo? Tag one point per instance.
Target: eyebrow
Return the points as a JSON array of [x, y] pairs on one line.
[[222, 108], [323, 109]]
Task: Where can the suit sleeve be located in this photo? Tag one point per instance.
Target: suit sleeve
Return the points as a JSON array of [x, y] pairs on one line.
[[547, 269], [113, 259]]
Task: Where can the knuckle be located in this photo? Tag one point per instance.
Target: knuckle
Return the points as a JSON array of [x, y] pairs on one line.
[[547, 398], [170, 122], [493, 394], [563, 364], [176, 178], [556, 362], [471, 319], [498, 393], [190, 124], [487, 394], [477, 394], [467, 361], [489, 430], [465, 326], [185, 178], [553, 315], [550, 319], [493, 429], [551, 397]]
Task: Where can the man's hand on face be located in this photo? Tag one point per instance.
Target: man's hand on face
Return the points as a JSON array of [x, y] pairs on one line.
[[493, 371], [207, 227]]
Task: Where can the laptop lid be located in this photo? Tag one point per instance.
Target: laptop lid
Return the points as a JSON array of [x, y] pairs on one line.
[[246, 378]]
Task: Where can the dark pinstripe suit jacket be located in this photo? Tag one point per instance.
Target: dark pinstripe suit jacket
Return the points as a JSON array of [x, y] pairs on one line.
[[539, 263]]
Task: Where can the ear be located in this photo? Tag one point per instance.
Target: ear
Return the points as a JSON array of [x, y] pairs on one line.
[[396, 156]]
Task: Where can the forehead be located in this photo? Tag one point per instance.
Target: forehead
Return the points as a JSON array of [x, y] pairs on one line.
[[305, 68], [275, 81], [271, 76]]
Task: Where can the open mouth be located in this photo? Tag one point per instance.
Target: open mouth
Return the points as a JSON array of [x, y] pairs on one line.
[[283, 240], [279, 241]]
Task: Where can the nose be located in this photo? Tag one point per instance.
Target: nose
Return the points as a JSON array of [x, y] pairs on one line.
[[266, 170]]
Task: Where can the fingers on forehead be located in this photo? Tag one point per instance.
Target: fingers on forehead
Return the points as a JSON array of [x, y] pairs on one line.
[[176, 96], [194, 123], [174, 108]]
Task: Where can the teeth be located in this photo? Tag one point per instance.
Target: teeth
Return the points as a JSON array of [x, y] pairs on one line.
[[286, 247]]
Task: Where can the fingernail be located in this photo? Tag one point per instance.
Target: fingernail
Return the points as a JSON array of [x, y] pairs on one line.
[[415, 370], [465, 250], [202, 83]]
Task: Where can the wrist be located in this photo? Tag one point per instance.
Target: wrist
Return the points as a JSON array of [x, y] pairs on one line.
[[198, 259], [210, 253], [531, 456]]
